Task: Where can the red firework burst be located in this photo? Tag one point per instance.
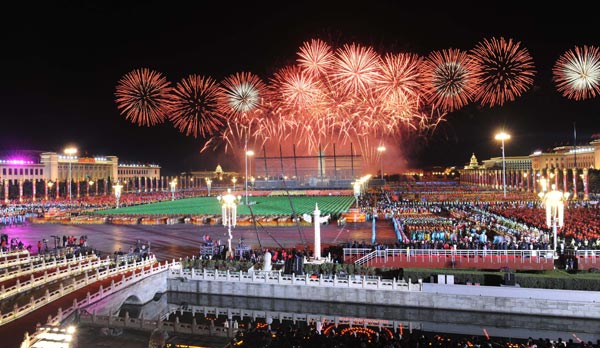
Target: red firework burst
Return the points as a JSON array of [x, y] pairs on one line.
[[507, 70], [356, 68], [451, 78], [142, 95], [400, 73], [195, 106], [577, 73], [295, 89], [316, 57]]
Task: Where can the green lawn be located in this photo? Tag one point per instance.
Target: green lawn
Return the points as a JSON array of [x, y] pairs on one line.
[[277, 205]]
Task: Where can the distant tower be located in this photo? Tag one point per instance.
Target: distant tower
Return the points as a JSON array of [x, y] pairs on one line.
[[474, 163], [219, 172]]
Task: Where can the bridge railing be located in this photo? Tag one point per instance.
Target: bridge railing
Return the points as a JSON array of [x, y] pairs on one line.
[[63, 290], [12, 253], [362, 282], [44, 265], [18, 260], [148, 268], [46, 278]]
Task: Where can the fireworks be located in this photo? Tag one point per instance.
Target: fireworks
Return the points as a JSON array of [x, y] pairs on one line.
[[243, 104], [507, 70], [242, 93], [194, 106], [294, 89], [577, 73], [356, 68], [143, 97], [316, 57], [451, 78], [400, 73], [350, 94]]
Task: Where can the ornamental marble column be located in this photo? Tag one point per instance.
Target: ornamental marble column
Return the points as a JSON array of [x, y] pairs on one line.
[[46, 189], [556, 178], [139, 184], [586, 194], [33, 182], [78, 183], [145, 184], [565, 180], [57, 183]]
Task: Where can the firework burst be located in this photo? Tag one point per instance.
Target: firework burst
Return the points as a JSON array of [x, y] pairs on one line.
[[506, 70], [577, 73], [243, 92], [142, 95], [356, 68], [294, 89], [315, 57], [243, 103], [400, 73], [451, 78], [194, 108]]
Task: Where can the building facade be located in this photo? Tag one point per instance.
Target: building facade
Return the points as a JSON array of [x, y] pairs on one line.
[[51, 175], [565, 167]]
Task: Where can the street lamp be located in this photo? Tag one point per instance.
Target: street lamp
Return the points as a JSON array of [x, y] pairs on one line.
[[50, 184], [117, 188], [173, 184], [503, 136], [70, 151], [381, 150], [554, 202], [229, 204], [208, 183], [90, 183], [248, 153]]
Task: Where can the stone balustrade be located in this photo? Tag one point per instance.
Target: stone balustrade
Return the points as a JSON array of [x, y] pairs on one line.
[[276, 278], [44, 265], [46, 278], [63, 290]]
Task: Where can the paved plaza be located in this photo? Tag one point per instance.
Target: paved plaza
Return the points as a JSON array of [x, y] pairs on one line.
[[180, 240]]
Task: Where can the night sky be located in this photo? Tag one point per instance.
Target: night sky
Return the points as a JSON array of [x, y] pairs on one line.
[[61, 61]]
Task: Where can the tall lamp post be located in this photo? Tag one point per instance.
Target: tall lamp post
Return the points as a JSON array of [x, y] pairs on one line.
[[70, 151], [381, 150], [554, 202], [117, 188], [502, 136], [229, 204], [173, 184], [208, 183], [50, 184], [248, 153]]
